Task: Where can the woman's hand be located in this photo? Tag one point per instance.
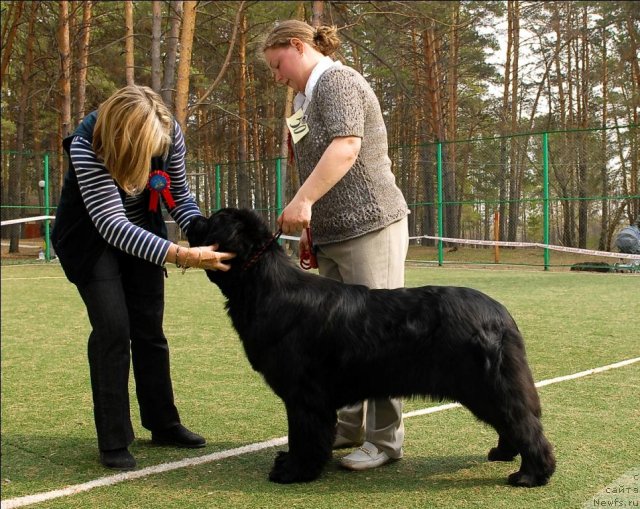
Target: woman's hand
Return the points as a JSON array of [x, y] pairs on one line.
[[296, 216], [209, 258], [205, 257]]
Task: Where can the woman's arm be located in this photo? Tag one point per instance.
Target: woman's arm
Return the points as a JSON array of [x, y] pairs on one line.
[[106, 210]]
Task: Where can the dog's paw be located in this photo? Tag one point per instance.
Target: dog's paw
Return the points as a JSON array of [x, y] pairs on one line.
[[281, 458], [526, 480], [497, 454], [287, 471]]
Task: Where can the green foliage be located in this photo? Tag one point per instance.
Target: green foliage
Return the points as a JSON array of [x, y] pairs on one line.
[[8, 127]]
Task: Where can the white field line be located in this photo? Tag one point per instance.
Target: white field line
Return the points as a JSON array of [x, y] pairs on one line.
[[30, 278], [550, 381], [275, 442]]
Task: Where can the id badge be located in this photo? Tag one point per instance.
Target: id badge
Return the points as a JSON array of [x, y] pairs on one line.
[[298, 126]]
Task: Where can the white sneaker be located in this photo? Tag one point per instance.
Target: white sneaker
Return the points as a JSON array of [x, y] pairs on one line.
[[365, 457], [341, 442]]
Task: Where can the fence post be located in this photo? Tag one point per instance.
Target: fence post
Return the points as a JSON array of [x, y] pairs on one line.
[[218, 199], [440, 207], [47, 239], [545, 198]]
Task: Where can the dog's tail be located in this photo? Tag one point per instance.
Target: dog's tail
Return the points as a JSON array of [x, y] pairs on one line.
[[513, 374]]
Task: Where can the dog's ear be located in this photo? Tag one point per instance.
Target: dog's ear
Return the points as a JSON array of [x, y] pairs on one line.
[[239, 231], [197, 231], [234, 229]]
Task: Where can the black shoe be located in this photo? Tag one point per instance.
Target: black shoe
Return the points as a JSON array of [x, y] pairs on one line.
[[178, 436], [119, 459]]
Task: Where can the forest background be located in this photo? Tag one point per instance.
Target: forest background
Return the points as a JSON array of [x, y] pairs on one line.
[[494, 71]]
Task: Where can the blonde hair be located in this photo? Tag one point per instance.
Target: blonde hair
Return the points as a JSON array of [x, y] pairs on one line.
[[133, 126], [323, 38]]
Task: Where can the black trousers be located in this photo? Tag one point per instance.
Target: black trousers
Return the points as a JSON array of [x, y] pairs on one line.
[[125, 304]]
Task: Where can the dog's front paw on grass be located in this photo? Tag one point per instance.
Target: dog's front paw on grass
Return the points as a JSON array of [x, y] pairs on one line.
[[287, 471], [497, 454], [526, 480]]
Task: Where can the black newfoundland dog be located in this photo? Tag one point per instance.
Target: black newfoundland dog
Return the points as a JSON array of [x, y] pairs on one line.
[[321, 345]]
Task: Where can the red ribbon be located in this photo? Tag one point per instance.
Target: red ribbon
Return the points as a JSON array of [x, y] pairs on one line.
[[160, 184]]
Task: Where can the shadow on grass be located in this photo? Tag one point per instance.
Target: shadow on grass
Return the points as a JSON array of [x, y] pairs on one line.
[[32, 463], [249, 474]]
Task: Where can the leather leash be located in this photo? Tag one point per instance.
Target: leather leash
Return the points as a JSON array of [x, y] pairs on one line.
[[249, 263], [308, 258]]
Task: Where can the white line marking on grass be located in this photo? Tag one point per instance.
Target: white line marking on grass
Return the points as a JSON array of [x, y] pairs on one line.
[[276, 442], [587, 372], [31, 278], [137, 474], [543, 383]]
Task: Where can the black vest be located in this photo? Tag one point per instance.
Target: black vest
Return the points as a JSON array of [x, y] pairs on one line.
[[75, 238]]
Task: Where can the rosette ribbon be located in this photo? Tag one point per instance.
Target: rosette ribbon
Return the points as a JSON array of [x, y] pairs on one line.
[[159, 184]]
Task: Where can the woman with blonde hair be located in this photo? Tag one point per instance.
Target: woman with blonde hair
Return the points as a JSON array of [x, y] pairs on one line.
[[125, 159], [359, 222]]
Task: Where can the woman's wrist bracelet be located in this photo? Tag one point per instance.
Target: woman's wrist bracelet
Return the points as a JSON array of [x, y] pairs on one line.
[[185, 264], [186, 261], [178, 257]]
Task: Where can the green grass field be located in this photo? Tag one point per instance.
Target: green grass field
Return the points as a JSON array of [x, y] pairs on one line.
[[571, 322]]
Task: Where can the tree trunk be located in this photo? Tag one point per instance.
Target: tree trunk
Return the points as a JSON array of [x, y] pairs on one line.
[[514, 185], [64, 84], [184, 64], [432, 87], [232, 173], [559, 82], [14, 14], [414, 177], [128, 43], [318, 13], [603, 244], [83, 61], [258, 166], [433, 83], [634, 205], [243, 169], [583, 204], [270, 147], [15, 176], [286, 162], [633, 54], [156, 36], [452, 194], [504, 160], [170, 59]]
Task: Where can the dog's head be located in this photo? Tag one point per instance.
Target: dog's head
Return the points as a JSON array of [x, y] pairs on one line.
[[239, 231]]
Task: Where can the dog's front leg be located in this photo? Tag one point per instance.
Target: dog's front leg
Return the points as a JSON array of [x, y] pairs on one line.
[[311, 434]]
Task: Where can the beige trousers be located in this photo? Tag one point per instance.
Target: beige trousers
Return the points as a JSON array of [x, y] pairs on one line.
[[377, 261]]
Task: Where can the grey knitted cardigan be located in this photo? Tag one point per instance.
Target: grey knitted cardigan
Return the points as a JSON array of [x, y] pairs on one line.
[[367, 198]]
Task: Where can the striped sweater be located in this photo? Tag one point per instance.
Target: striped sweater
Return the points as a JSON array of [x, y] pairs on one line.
[[122, 223]]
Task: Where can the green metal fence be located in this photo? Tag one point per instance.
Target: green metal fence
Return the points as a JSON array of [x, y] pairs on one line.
[[574, 189]]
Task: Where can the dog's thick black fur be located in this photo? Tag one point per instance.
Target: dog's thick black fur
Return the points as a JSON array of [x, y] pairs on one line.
[[321, 345]]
